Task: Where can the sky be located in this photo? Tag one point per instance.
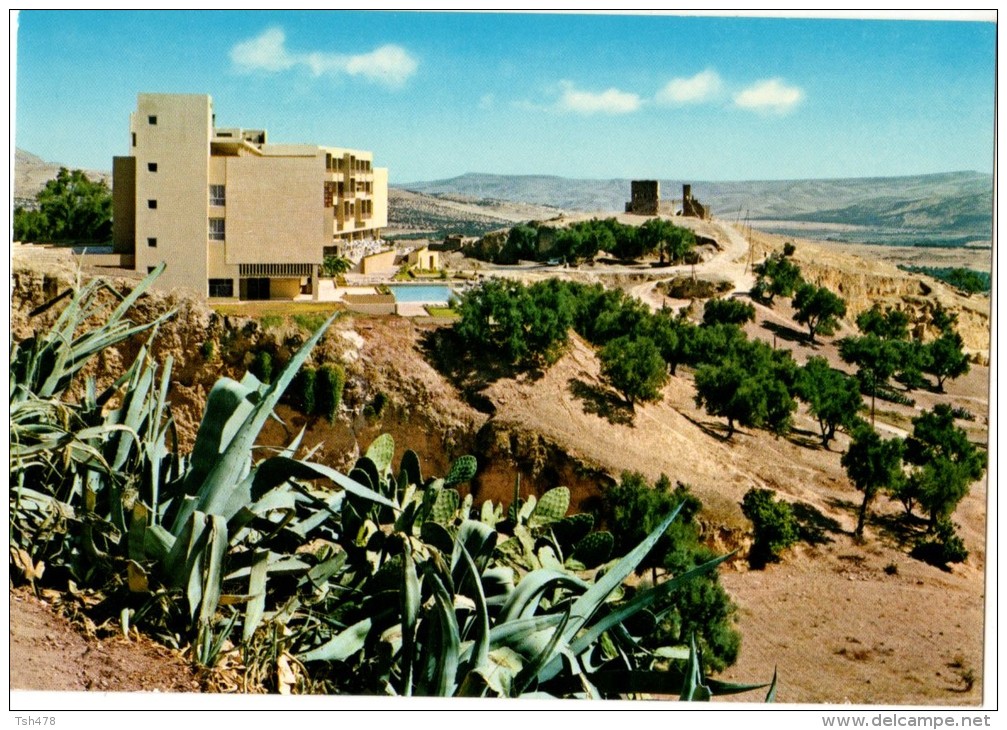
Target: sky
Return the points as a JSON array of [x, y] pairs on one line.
[[435, 95]]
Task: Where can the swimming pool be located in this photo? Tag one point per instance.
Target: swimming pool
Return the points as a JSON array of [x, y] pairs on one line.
[[421, 293]]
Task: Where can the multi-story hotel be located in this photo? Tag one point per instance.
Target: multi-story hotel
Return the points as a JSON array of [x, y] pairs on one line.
[[229, 214]]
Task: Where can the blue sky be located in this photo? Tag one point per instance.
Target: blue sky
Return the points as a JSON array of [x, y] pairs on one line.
[[436, 94]]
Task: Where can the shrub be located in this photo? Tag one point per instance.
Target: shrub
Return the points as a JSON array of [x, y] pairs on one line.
[[262, 366], [208, 350], [776, 528], [329, 383], [303, 391], [789, 249], [727, 311], [687, 287], [946, 546]]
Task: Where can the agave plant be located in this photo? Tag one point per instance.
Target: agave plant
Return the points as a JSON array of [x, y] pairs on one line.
[[378, 581]]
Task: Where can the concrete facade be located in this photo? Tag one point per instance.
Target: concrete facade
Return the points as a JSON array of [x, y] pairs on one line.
[[231, 215], [424, 259]]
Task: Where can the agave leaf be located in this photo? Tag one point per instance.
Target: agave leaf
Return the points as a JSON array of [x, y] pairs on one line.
[[256, 606], [237, 436], [410, 598], [771, 695], [595, 596], [517, 630], [694, 688], [478, 539], [342, 646], [278, 469], [446, 648], [640, 602], [213, 565], [481, 639], [528, 673], [524, 599]]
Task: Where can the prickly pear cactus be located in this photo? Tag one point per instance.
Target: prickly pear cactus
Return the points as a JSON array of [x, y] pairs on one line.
[[551, 507], [594, 549], [381, 451], [462, 470], [410, 466], [445, 507], [571, 530]]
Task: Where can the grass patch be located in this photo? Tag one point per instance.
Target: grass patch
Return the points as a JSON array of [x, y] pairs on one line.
[[272, 321], [309, 322], [262, 310], [442, 312]]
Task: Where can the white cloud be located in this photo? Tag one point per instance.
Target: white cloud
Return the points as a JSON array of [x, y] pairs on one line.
[[267, 52], [390, 65], [770, 95], [610, 101], [704, 86]]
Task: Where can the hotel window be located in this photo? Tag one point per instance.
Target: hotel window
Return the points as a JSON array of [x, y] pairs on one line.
[[152, 120], [152, 204], [133, 135], [152, 242], [152, 166], [216, 195], [221, 287], [216, 229]]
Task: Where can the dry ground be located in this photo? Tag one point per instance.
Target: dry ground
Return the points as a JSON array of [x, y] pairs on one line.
[[48, 653], [842, 620]]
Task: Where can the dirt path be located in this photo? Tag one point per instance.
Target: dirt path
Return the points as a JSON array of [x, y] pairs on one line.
[[48, 654]]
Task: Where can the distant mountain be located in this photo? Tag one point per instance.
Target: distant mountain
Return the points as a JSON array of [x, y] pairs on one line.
[[953, 208], [31, 173]]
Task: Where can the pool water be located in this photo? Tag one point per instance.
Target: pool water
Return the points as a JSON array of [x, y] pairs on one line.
[[421, 293]]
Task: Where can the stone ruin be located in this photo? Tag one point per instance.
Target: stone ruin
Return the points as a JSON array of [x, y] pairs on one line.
[[645, 197], [692, 208]]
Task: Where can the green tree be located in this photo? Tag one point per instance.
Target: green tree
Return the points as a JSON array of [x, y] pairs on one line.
[[876, 360], [942, 319], [945, 462], [776, 276], [946, 358], [335, 265], [727, 311], [891, 324], [751, 387], [776, 527], [522, 243], [71, 207], [873, 465], [818, 308], [832, 397], [634, 367], [664, 237]]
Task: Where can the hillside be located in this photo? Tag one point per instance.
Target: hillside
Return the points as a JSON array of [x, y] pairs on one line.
[[947, 209], [904, 632], [31, 173]]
